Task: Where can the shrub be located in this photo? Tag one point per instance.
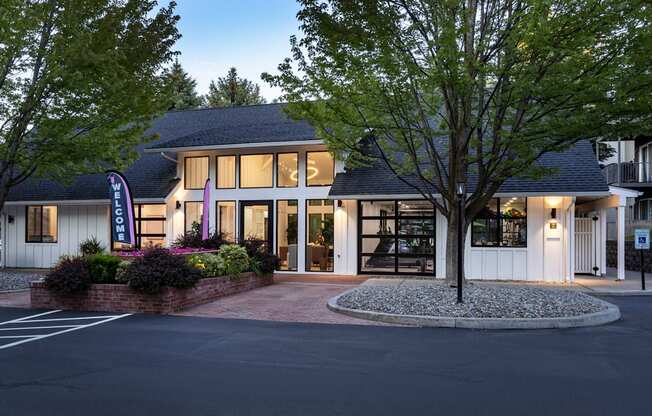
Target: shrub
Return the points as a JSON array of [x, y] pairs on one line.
[[91, 246], [193, 239], [158, 268], [262, 261], [103, 267], [70, 275], [234, 259], [255, 247], [121, 275], [210, 265]]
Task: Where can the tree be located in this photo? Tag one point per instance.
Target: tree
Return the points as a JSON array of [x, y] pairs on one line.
[[78, 84], [470, 91], [232, 90], [182, 88]]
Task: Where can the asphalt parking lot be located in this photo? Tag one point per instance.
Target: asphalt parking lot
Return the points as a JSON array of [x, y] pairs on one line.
[[171, 365]]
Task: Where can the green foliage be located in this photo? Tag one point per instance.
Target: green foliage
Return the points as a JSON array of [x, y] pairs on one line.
[[103, 267], [210, 265], [182, 88], [91, 246], [121, 275], [158, 268], [234, 259], [79, 84], [193, 239], [232, 90], [71, 275]]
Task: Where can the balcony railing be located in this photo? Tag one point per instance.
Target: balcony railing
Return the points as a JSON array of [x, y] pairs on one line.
[[630, 173]]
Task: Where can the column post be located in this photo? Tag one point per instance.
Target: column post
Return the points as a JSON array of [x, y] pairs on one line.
[[621, 240]]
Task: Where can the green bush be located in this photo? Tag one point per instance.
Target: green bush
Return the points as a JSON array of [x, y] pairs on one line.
[[91, 246], [210, 265], [234, 258], [121, 275], [70, 275], [103, 267]]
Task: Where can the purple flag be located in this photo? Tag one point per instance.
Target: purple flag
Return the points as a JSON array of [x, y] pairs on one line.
[[205, 211], [122, 209]]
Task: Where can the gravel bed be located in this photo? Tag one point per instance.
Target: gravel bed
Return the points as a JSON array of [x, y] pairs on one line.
[[16, 280], [480, 301]]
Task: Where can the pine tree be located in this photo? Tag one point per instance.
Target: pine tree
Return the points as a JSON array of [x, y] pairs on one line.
[[232, 90], [182, 88]]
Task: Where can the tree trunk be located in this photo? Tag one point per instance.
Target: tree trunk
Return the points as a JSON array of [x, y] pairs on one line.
[[452, 268]]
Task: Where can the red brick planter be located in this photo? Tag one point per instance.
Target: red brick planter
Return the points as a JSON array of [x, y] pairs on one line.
[[120, 298]]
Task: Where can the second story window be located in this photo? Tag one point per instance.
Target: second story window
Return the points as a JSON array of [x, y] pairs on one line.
[[225, 172], [195, 172], [320, 169], [256, 171], [287, 170]]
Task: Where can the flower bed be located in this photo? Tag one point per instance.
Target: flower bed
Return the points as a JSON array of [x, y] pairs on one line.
[[121, 298]]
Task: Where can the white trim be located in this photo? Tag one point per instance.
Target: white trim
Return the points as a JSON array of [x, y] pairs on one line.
[[234, 146], [497, 195], [628, 193], [83, 202]]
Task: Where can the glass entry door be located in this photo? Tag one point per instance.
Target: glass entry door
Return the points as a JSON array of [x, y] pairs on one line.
[[257, 221]]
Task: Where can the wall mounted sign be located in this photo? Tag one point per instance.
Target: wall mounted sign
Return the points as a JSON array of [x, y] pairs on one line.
[[205, 212], [642, 239], [122, 209]]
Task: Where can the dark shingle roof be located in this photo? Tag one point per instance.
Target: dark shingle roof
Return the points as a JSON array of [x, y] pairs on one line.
[[576, 170], [152, 176]]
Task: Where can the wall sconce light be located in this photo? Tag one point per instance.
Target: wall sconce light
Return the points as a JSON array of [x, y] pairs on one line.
[[339, 203], [10, 219], [178, 204], [553, 213]]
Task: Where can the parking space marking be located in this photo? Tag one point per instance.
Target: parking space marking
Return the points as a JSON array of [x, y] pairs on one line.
[[22, 339]]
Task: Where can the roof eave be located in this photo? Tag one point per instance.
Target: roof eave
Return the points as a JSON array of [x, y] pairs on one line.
[[233, 146]]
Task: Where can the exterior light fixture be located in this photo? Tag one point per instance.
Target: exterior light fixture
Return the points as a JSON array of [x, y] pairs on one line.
[[10, 219], [178, 204], [460, 190], [339, 203], [553, 213]]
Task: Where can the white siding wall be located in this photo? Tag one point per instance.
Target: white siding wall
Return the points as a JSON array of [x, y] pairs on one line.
[[75, 223]]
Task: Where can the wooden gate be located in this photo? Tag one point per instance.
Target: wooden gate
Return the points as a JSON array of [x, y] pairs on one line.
[[585, 245]]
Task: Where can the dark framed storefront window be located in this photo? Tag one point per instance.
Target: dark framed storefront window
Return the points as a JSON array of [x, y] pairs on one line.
[[320, 243], [396, 237], [150, 226], [502, 223]]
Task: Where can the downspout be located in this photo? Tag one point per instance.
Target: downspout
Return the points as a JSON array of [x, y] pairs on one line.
[[166, 157]]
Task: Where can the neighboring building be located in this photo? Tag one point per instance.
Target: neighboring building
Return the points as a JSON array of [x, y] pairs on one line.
[[272, 179]]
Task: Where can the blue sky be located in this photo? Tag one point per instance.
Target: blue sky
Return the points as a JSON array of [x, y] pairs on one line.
[[252, 35]]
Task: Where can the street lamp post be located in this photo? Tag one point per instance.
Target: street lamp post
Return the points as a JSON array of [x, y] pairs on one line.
[[461, 193]]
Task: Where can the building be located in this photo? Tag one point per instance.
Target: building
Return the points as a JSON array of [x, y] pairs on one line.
[[272, 179]]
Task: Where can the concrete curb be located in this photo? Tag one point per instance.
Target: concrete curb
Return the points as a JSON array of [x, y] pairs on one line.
[[610, 314], [618, 293], [14, 291]]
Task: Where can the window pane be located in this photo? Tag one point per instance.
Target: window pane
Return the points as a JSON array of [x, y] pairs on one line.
[[255, 222], [378, 208], [196, 172], [419, 226], [34, 224], [416, 245], [49, 224], [416, 264], [378, 245], [194, 212], [226, 219], [377, 264], [287, 234], [226, 172], [512, 207], [514, 223], [151, 211], [319, 249], [484, 232], [415, 208], [319, 168], [287, 170], [146, 242], [378, 227], [152, 227], [256, 171]]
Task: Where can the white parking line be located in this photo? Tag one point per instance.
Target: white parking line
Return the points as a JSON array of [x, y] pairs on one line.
[[69, 328]]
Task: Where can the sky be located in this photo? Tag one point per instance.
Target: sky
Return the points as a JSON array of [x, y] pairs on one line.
[[251, 35]]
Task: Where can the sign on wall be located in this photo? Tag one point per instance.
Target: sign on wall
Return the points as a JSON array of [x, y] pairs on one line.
[[122, 209], [642, 239]]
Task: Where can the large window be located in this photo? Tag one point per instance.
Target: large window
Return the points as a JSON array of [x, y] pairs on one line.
[[502, 223], [287, 231], [195, 172], [256, 171], [397, 237], [225, 172], [320, 169], [150, 226], [41, 224], [319, 235], [226, 219], [193, 213], [287, 170]]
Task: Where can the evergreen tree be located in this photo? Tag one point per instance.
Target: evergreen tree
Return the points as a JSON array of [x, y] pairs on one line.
[[182, 88], [232, 90]]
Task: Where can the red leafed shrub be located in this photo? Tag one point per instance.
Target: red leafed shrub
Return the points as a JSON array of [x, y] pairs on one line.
[[70, 275], [158, 268]]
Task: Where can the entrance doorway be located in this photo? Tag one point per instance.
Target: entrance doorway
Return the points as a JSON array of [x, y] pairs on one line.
[[257, 221]]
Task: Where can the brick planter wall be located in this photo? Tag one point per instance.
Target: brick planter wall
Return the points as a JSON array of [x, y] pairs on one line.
[[632, 257], [120, 298]]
